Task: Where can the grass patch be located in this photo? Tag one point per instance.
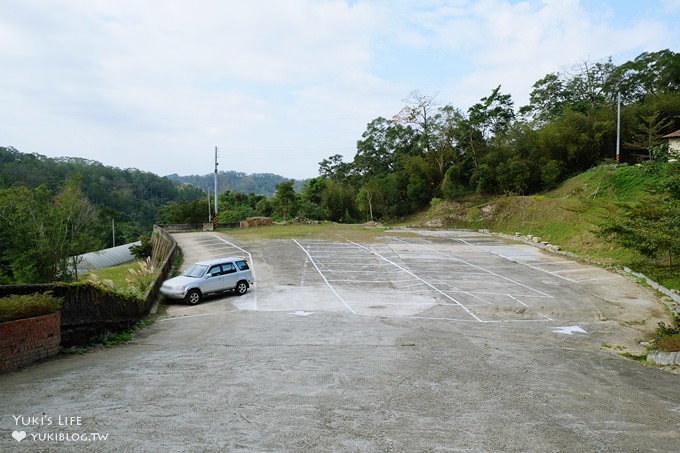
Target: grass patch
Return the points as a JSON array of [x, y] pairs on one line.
[[28, 306], [131, 280], [114, 274], [667, 338], [640, 358]]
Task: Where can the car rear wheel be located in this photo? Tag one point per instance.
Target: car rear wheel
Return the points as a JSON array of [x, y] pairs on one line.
[[193, 297], [241, 287]]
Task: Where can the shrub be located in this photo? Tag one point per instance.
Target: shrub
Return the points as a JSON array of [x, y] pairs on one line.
[[667, 338], [140, 279], [28, 306], [144, 249]]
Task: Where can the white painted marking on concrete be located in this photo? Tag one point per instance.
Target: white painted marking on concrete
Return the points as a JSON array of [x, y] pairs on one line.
[[517, 300], [250, 260], [172, 318], [481, 268], [530, 266], [569, 330], [548, 318], [301, 313], [419, 279], [311, 260]]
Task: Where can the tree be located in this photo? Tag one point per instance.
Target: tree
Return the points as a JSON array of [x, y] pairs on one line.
[[311, 198], [649, 74], [493, 115], [333, 167], [285, 198], [447, 145], [41, 233], [650, 228], [547, 100], [513, 176], [419, 112], [647, 132], [338, 199], [381, 148], [384, 196], [591, 85], [73, 217]]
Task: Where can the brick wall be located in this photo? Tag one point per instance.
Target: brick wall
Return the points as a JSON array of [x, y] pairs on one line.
[[26, 340], [254, 221]]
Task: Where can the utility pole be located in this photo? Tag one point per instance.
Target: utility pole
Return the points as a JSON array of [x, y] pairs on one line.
[[216, 220]]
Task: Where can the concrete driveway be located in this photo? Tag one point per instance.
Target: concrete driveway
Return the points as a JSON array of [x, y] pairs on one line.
[[429, 341]]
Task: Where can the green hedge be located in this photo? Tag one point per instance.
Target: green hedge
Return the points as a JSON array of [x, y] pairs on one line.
[[28, 306]]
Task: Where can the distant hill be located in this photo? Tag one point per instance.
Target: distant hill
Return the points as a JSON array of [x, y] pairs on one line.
[[129, 196], [257, 183]]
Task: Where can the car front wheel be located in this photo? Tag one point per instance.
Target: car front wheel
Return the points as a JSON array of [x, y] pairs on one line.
[[193, 297], [241, 288]]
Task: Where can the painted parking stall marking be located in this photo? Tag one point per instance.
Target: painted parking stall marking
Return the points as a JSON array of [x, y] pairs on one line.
[[440, 281]]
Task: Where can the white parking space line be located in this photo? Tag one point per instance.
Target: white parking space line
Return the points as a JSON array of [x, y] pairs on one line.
[[364, 279], [472, 280], [447, 296], [311, 260], [250, 261], [487, 271]]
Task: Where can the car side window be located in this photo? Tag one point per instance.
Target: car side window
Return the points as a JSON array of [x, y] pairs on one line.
[[242, 265], [228, 268], [215, 270]]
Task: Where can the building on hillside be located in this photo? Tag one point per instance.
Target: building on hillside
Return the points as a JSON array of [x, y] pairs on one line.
[[673, 145]]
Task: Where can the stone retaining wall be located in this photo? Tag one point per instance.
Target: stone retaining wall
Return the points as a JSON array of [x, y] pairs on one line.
[[664, 358]]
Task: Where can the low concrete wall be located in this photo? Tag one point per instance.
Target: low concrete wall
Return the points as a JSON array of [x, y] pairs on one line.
[[179, 227], [25, 341], [664, 358], [89, 312], [184, 227]]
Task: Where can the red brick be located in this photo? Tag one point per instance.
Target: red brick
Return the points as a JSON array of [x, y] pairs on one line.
[[26, 340]]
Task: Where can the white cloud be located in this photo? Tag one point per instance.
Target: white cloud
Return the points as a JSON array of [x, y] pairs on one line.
[[136, 83]]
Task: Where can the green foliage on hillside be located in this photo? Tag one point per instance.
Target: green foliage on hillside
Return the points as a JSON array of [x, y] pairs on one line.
[[234, 181], [585, 214], [130, 197], [54, 209]]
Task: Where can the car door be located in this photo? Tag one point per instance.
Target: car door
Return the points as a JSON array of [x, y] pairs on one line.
[[229, 276], [212, 282]]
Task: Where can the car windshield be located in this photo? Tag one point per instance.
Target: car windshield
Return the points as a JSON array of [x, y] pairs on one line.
[[196, 270]]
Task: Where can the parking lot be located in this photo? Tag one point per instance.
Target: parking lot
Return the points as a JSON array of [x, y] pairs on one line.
[[456, 276], [414, 341]]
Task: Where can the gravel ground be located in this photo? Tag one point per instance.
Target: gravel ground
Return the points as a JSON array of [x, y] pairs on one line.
[[437, 342]]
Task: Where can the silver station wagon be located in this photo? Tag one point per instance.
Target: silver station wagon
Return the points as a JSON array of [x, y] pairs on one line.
[[208, 277]]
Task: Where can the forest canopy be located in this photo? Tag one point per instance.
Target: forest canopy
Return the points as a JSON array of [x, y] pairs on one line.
[[53, 208]]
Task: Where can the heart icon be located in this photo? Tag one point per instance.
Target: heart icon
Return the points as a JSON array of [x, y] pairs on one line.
[[19, 435]]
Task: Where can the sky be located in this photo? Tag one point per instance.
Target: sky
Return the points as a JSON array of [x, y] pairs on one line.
[[279, 85]]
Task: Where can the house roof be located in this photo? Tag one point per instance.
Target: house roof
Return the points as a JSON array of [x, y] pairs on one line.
[[675, 134]]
